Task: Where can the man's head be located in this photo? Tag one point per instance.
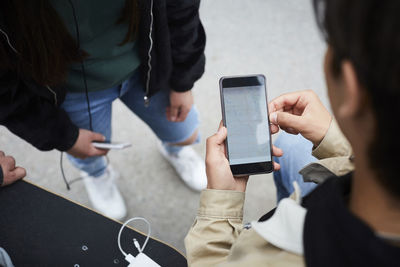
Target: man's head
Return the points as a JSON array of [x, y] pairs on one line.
[[362, 67]]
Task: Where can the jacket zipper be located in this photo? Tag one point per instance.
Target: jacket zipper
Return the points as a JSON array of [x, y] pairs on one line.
[[16, 52], [146, 96], [54, 93]]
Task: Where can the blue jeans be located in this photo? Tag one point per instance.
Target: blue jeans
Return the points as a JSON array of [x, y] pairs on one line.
[[131, 93], [296, 155]]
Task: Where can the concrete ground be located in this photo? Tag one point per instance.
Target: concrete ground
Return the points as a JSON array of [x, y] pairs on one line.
[[276, 38]]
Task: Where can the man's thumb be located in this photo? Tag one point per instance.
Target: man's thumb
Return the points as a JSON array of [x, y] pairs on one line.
[[221, 135], [286, 120], [218, 138]]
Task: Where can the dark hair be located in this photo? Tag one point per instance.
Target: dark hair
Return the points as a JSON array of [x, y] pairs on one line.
[[366, 32], [45, 47]]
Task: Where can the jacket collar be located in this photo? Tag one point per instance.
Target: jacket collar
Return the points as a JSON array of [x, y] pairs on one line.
[[284, 229]]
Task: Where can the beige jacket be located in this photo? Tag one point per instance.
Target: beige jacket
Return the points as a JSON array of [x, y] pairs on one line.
[[217, 237]]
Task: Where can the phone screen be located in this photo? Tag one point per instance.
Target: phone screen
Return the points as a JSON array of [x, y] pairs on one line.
[[246, 119]]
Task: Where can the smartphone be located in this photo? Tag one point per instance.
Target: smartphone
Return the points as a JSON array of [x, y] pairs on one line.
[[107, 145], [245, 115]]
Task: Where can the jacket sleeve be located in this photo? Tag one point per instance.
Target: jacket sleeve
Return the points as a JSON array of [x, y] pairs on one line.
[[334, 144], [33, 117], [188, 41], [217, 226], [334, 154]]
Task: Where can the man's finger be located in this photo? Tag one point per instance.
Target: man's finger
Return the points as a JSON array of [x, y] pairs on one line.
[[2, 154], [287, 120], [285, 101], [282, 101]]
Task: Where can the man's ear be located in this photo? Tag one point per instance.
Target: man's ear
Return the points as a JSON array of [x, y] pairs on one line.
[[352, 92]]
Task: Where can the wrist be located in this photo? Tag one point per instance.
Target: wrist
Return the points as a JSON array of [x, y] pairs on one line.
[[237, 184], [322, 133]]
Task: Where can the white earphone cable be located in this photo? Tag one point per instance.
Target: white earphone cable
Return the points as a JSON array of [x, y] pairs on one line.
[[136, 243]]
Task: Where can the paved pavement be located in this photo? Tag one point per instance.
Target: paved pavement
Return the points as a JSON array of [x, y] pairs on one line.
[[276, 38]]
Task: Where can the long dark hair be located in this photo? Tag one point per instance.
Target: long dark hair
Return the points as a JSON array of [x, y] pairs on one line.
[[45, 47]]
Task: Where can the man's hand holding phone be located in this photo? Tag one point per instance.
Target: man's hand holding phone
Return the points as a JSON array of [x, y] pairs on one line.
[[300, 113], [219, 174]]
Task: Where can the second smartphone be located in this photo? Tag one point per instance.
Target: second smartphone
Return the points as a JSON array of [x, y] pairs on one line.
[[245, 115]]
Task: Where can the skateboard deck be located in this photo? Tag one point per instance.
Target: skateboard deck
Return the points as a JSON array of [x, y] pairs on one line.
[[40, 228]]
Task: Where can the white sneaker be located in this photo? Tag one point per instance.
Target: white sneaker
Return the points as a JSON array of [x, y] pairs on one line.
[[104, 194], [189, 166]]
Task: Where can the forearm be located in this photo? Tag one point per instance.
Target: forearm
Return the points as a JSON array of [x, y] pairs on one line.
[[217, 226]]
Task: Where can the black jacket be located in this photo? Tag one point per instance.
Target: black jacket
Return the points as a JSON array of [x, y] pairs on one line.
[[33, 112]]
